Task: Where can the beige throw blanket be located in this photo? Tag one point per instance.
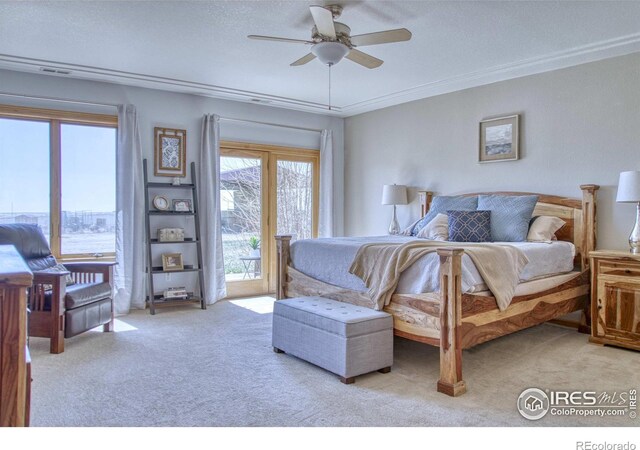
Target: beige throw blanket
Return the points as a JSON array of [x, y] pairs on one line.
[[380, 266]]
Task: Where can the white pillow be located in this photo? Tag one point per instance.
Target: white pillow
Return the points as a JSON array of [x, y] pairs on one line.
[[436, 230], [543, 229], [407, 231]]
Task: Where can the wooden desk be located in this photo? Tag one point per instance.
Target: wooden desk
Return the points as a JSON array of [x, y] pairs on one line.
[[15, 377]]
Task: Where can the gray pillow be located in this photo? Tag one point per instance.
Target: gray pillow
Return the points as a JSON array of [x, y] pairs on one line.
[[510, 215], [441, 204]]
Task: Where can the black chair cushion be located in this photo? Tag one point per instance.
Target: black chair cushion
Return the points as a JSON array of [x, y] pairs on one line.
[[42, 264], [27, 238], [81, 294]]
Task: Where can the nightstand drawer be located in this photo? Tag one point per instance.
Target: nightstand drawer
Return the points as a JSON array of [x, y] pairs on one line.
[[619, 268]]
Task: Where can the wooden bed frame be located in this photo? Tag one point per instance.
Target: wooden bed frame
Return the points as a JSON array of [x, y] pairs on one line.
[[458, 321]]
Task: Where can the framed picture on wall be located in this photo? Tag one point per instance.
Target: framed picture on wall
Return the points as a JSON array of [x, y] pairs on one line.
[[170, 152], [499, 139]]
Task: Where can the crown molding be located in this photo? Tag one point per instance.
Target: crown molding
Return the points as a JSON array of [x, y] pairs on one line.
[[60, 69], [553, 61]]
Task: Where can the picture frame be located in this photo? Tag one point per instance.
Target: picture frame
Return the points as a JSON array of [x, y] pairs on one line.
[[499, 139], [182, 205], [172, 262], [170, 152]]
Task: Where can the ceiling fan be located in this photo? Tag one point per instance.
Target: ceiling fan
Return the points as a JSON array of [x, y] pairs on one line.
[[331, 41]]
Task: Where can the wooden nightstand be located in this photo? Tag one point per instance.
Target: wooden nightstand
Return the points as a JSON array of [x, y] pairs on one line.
[[615, 298]]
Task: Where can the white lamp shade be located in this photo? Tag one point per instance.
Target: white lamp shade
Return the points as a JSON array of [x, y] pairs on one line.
[[629, 187], [394, 194]]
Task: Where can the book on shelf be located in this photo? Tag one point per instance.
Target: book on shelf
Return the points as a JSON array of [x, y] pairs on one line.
[[176, 293]]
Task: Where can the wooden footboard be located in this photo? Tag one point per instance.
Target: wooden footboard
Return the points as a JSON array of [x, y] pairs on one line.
[[454, 321]]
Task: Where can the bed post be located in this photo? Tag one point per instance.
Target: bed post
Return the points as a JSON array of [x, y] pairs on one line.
[[425, 201], [588, 238], [451, 382], [283, 243], [588, 244]]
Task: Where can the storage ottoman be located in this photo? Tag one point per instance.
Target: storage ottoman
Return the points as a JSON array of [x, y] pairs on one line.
[[342, 338]]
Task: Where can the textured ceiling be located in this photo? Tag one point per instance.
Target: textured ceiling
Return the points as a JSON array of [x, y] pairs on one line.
[[202, 46]]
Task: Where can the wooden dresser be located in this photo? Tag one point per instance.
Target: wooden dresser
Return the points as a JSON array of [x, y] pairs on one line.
[[15, 366], [615, 298]]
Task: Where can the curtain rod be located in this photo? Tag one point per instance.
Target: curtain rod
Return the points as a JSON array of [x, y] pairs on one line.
[[54, 99], [231, 119]]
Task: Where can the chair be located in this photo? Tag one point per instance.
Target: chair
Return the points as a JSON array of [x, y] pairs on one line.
[[65, 300]]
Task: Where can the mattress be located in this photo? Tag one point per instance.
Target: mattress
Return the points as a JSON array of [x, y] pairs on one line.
[[329, 259]]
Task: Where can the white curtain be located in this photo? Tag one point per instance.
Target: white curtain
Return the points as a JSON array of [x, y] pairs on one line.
[[129, 277], [210, 216], [326, 225]]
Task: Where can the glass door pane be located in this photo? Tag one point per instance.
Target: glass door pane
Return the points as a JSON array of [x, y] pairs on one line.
[[24, 173], [241, 205], [88, 200], [294, 198]]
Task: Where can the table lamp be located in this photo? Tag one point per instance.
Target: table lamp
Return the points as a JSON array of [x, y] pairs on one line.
[[394, 194], [629, 192]]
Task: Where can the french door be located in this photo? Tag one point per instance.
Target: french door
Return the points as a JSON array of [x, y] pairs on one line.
[[264, 190]]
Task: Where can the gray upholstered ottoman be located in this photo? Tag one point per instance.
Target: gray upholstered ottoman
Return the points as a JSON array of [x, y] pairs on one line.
[[342, 338]]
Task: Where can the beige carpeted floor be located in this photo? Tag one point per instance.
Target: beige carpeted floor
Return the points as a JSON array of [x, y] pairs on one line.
[[187, 367]]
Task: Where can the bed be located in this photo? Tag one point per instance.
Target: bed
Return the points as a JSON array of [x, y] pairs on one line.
[[454, 318]]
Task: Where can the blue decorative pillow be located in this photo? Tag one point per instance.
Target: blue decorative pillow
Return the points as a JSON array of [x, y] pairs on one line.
[[510, 215], [469, 226], [442, 204]]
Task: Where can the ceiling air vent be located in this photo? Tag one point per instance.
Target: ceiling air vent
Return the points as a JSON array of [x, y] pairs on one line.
[[52, 70]]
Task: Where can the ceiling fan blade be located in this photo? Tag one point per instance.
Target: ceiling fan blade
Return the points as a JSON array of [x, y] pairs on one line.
[[363, 59], [279, 39], [381, 37], [305, 59], [323, 19]]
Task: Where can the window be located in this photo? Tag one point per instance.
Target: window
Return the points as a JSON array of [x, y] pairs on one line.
[[58, 172]]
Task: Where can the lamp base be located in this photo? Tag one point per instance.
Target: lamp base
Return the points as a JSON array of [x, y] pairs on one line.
[[394, 228], [634, 237]]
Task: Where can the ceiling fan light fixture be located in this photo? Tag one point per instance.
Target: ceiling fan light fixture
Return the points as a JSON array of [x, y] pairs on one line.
[[330, 53]]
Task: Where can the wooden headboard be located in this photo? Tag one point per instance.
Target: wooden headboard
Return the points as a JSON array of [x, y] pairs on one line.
[[579, 215]]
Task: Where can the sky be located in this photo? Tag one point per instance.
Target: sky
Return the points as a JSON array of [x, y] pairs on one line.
[[88, 167]]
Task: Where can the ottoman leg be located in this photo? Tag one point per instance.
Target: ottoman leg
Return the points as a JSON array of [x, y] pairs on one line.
[[349, 380], [385, 370], [277, 350]]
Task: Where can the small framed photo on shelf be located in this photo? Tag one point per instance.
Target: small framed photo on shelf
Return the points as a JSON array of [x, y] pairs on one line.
[[499, 139], [182, 205], [172, 261], [170, 152]]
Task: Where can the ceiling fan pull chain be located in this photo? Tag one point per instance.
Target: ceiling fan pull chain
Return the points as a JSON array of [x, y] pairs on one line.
[[330, 86]]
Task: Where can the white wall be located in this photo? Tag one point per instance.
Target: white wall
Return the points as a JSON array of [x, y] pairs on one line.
[[579, 125], [166, 109]]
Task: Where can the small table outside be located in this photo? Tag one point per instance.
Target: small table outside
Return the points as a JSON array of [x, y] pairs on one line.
[[246, 262]]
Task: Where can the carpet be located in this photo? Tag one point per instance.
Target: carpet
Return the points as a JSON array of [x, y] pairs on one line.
[[188, 367]]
